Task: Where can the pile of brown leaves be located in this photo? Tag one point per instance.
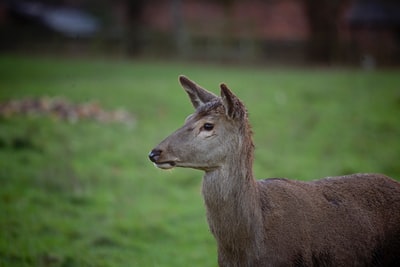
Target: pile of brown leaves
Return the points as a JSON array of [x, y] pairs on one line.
[[63, 109]]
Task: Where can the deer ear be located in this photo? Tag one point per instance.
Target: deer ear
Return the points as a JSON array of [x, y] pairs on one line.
[[234, 108], [197, 94]]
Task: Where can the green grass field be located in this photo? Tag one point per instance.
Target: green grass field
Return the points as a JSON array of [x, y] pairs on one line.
[[85, 194]]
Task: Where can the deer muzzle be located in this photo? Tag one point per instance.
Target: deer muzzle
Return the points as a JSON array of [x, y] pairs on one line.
[[155, 156]]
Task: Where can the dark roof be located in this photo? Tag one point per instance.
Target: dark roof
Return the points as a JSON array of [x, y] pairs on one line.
[[374, 13], [68, 21]]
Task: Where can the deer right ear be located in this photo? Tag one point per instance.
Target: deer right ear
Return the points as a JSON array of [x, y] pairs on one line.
[[197, 94], [234, 108]]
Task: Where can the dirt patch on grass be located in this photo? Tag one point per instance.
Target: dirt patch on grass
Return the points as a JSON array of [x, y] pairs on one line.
[[63, 109]]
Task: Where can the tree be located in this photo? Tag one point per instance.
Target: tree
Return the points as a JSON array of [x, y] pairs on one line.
[[323, 18]]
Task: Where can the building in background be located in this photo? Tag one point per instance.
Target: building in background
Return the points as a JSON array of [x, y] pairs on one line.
[[365, 32]]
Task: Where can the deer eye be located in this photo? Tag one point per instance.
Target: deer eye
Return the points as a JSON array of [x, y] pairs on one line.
[[208, 126]]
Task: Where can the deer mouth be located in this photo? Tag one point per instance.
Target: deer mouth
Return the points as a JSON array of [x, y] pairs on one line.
[[166, 165]]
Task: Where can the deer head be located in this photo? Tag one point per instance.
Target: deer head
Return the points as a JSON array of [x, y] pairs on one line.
[[210, 136]]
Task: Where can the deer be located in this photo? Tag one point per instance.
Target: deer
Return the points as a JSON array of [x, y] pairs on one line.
[[350, 220]]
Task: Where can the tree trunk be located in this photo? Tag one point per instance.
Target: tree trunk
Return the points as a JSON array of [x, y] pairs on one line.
[[323, 18]]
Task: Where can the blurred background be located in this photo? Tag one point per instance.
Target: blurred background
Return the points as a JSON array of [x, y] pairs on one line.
[[356, 32], [88, 88]]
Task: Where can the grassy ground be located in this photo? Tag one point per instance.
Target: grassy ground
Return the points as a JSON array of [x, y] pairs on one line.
[[85, 194]]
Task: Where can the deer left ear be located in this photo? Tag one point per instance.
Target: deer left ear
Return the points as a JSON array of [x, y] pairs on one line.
[[234, 108], [198, 95]]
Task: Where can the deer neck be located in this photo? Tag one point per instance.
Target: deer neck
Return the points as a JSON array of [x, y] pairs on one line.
[[229, 181], [233, 181], [232, 201]]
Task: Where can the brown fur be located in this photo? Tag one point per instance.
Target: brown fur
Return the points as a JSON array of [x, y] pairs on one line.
[[349, 220]]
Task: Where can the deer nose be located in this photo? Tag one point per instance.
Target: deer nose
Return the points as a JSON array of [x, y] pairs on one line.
[[155, 155]]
